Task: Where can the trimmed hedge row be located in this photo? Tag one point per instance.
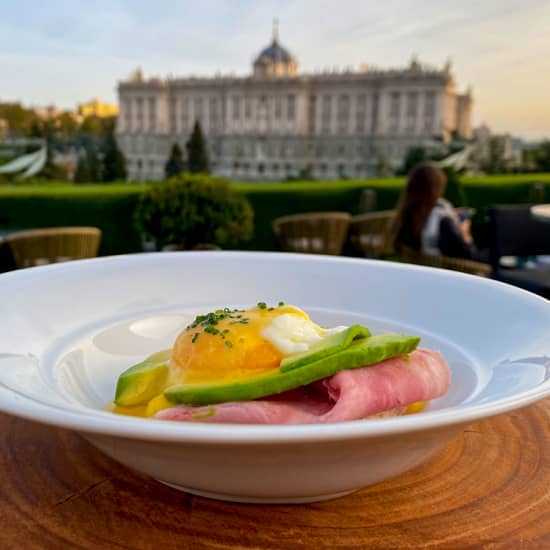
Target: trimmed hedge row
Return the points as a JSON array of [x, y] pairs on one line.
[[111, 206]]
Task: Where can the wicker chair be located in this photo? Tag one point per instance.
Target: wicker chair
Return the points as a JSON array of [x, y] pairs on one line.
[[314, 232], [57, 244], [445, 262], [369, 234]]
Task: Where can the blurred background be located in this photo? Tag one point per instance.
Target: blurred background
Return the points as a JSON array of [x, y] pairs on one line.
[[298, 106]]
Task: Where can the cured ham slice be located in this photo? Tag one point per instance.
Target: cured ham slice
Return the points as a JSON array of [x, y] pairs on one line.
[[348, 395]]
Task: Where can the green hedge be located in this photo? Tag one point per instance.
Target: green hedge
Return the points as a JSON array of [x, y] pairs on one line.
[[110, 207]]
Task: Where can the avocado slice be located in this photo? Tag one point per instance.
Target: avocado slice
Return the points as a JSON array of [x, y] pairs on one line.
[[328, 346], [364, 352], [143, 381]]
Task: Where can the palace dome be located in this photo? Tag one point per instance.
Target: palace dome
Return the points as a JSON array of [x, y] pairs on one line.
[[276, 53], [275, 60]]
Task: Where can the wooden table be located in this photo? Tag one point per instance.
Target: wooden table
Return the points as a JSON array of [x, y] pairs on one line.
[[490, 488]]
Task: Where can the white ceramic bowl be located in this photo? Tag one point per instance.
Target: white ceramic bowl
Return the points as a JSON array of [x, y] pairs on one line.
[[68, 330]]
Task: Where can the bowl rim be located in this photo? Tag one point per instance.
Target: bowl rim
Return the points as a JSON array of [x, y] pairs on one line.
[[108, 424]]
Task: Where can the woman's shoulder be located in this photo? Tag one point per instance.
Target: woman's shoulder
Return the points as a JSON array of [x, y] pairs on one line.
[[442, 209], [444, 206]]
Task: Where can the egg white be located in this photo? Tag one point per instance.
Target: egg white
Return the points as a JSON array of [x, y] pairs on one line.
[[291, 333]]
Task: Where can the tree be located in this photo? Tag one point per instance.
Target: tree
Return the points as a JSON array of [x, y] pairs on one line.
[[82, 173], [20, 119], [89, 167], [542, 157], [95, 163], [92, 125], [414, 156], [197, 155], [175, 165], [191, 210], [66, 123], [495, 163], [51, 170], [454, 191], [383, 168], [114, 165]]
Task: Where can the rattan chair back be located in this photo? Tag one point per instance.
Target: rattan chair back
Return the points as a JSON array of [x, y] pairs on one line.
[[445, 262], [57, 244], [312, 232], [369, 234]]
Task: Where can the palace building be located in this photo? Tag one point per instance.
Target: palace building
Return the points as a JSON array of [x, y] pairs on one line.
[[278, 123]]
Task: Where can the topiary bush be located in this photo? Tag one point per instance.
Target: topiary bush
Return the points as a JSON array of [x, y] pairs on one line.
[[191, 210]]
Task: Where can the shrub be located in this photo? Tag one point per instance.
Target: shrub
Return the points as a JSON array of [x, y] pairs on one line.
[[190, 210]]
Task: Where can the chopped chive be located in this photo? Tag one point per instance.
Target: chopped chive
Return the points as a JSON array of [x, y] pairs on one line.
[[262, 305], [195, 337], [229, 344], [281, 304]]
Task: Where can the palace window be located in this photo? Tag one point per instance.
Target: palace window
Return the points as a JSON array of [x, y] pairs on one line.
[[429, 104], [412, 104], [152, 108], [374, 116], [198, 110], [213, 113], [395, 101], [361, 113], [312, 112], [139, 105], [343, 114], [173, 117], [248, 108], [291, 107], [429, 111], [326, 114], [236, 107], [412, 109], [127, 110], [184, 114], [278, 107]]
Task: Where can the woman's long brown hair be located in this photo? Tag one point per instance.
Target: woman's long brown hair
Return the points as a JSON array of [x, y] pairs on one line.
[[426, 184]]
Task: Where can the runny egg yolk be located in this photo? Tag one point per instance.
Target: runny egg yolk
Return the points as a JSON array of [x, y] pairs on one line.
[[238, 346]]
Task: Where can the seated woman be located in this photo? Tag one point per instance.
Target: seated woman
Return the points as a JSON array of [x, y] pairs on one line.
[[426, 222]]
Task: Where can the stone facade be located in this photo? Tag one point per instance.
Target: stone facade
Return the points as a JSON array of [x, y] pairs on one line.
[[279, 123]]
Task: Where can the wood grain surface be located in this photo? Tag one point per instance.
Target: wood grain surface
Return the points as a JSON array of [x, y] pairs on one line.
[[489, 489]]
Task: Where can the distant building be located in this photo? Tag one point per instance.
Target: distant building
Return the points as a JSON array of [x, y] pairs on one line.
[[4, 128], [278, 122], [97, 108], [496, 152], [47, 112]]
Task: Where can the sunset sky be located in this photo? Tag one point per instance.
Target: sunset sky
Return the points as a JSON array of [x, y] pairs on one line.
[[64, 52]]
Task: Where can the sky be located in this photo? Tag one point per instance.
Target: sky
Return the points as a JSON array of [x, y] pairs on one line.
[[65, 52]]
